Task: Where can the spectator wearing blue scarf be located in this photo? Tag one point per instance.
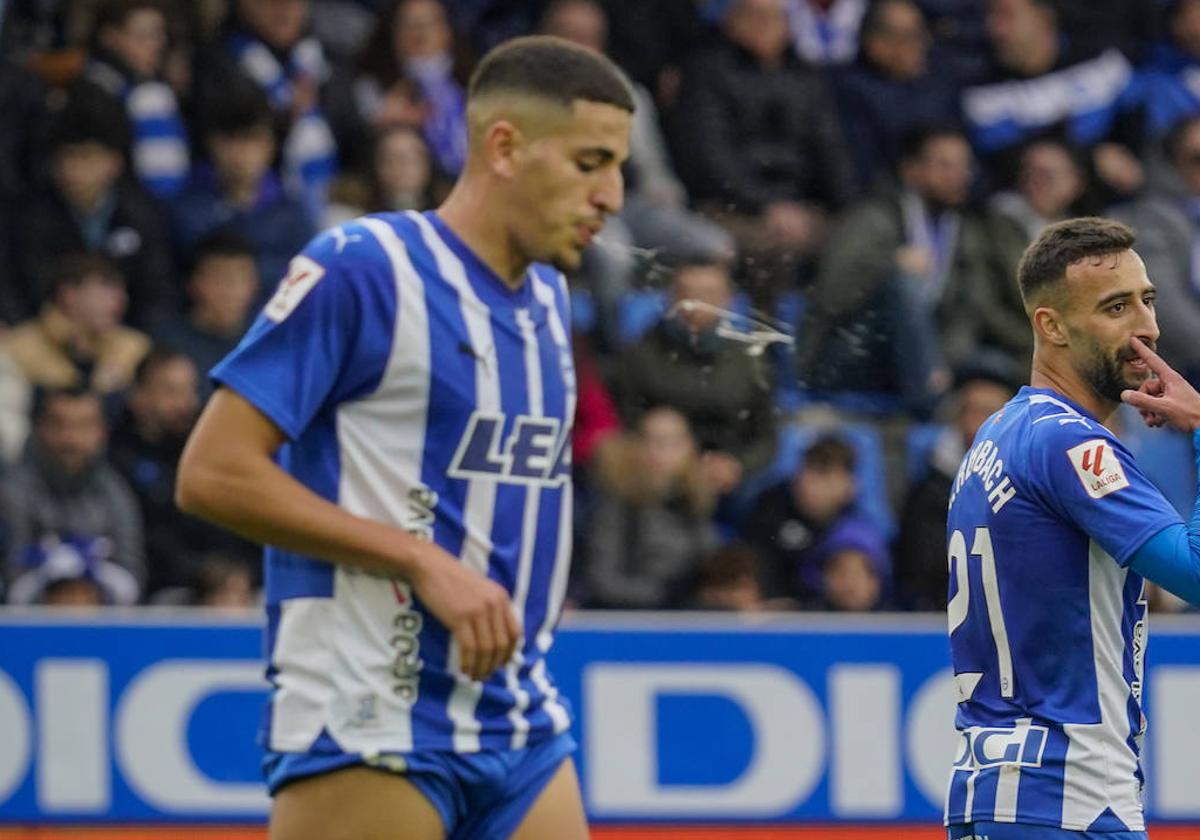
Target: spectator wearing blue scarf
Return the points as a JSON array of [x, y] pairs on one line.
[[266, 41], [413, 59], [128, 44], [1170, 82], [237, 189]]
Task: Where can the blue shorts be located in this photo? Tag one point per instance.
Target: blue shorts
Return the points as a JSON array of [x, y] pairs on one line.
[[1014, 831], [480, 796]]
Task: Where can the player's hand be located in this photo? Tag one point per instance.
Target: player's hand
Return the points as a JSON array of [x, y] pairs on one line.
[[475, 609], [1172, 401]]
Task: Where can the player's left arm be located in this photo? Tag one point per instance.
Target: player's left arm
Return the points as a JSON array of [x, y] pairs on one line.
[[1171, 557]]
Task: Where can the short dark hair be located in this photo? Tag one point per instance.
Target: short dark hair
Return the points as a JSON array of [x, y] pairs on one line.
[[222, 242], [156, 358], [830, 451], [118, 12], [73, 269], [88, 115], [44, 397], [915, 141], [873, 17], [237, 107], [551, 68], [1045, 261]]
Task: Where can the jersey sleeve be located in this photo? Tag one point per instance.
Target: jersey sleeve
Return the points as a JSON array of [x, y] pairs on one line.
[[323, 338], [1092, 480]]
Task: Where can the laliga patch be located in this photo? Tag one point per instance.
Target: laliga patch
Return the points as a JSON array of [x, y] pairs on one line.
[[1098, 468], [302, 275]]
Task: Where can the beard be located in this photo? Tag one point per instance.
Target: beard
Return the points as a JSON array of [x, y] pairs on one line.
[[1105, 372]]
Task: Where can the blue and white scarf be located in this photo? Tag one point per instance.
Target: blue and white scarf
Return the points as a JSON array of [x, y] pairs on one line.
[[309, 150], [161, 157]]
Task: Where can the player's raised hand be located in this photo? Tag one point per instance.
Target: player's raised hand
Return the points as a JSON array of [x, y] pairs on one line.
[[1169, 400], [475, 609]]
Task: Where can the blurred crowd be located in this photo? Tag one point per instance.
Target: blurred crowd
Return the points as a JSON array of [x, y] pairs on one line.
[[785, 340]]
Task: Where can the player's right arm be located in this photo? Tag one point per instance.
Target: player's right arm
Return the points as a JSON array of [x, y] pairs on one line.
[[311, 349], [1170, 558], [227, 475]]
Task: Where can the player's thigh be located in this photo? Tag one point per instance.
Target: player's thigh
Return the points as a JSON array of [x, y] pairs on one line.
[[357, 803], [558, 810]]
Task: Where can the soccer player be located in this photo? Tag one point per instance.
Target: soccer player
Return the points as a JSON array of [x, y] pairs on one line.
[[1052, 532], [394, 427]]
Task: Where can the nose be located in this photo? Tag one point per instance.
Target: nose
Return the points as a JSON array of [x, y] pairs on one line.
[[1147, 323], [609, 194]]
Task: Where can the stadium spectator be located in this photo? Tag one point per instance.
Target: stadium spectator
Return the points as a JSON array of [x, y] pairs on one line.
[[239, 191], [415, 66], [891, 88], [224, 582], [1051, 185], [265, 41], [855, 568], [798, 524], [222, 287], [402, 177], [128, 50], [596, 416], [145, 448], [651, 525], [72, 573], [758, 143], [78, 341], [1167, 221], [723, 390], [1029, 92], [22, 102], [728, 580], [1170, 94], [91, 207], [651, 40], [826, 32], [907, 285], [921, 573], [65, 488]]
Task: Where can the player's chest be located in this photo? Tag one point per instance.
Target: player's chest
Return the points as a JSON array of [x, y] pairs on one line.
[[508, 363]]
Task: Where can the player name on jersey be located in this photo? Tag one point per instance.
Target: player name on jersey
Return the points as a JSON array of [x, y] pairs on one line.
[[985, 462]]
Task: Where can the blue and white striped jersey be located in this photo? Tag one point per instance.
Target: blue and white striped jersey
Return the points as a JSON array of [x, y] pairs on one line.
[[1047, 625], [416, 389]]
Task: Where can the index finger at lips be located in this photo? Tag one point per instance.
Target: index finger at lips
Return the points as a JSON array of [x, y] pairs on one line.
[[1152, 359]]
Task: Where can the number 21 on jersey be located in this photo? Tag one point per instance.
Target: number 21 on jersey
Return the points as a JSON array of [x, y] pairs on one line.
[[960, 606]]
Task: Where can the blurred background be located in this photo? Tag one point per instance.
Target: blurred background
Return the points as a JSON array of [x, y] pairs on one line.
[[840, 188]]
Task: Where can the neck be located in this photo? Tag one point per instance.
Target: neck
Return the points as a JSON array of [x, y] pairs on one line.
[[1067, 382], [215, 324], [476, 219]]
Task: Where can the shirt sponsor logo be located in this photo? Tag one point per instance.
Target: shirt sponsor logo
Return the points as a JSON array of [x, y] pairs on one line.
[[537, 451], [1098, 467]]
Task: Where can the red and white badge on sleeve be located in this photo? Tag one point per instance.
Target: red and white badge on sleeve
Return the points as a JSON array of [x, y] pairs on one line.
[[1098, 468], [302, 275]]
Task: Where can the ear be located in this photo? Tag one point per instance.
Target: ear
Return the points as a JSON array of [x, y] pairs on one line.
[[503, 144], [1049, 326]]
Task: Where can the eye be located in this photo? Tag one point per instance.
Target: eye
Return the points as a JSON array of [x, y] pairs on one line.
[[1117, 308], [586, 166]]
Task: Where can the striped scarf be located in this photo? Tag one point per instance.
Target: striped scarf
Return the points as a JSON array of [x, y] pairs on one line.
[[309, 150], [161, 157]]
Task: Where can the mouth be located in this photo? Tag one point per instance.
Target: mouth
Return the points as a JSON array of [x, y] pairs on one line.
[[585, 233]]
